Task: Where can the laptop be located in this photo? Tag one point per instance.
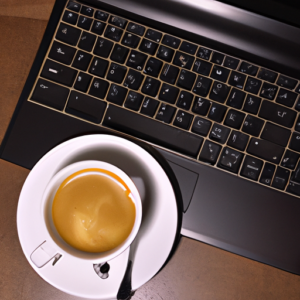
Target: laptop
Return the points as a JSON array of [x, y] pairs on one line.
[[213, 88]]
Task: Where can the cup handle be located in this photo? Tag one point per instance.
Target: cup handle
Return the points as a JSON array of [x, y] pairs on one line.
[[43, 254]]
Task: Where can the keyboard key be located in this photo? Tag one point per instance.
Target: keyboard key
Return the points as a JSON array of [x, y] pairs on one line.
[[165, 113], [171, 41], [87, 41], [252, 125], [204, 53], [298, 88], [113, 33], [210, 152], [136, 60], [202, 86], [151, 86], [168, 93], [116, 73], [293, 188], [217, 112], [236, 98], [155, 132], [58, 73], [231, 62], [101, 15], [286, 97], [149, 47], [297, 125], [219, 92], [119, 54], [217, 58], [134, 100], [286, 82], [135, 28], [201, 106], [183, 120], [296, 175], [98, 67], [276, 134], [234, 119], [186, 80], [116, 94], [220, 73], [50, 94], [237, 79], [149, 107], [185, 100], [82, 60], [277, 114], [238, 140], [268, 91], [169, 73], [84, 22], [70, 17], [153, 67], [74, 6], [165, 53], [252, 104], [82, 82], [290, 159], [188, 47], [202, 67], [265, 150], [267, 174], [130, 40], [297, 106], [98, 27], [133, 79], [201, 126], [103, 47], [281, 178], [267, 75], [251, 167], [295, 142], [183, 60], [99, 88], [253, 85], [87, 11], [62, 53], [85, 107], [68, 34], [248, 68], [153, 35], [219, 133], [117, 21], [230, 160]]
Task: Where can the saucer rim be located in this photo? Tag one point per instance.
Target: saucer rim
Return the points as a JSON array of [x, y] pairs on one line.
[[123, 140]]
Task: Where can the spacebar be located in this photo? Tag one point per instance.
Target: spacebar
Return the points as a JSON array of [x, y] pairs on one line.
[[152, 131]]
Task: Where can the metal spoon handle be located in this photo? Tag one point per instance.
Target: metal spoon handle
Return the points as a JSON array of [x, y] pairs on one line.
[[125, 289]]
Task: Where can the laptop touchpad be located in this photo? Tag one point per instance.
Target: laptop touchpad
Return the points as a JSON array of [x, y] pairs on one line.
[[187, 181]]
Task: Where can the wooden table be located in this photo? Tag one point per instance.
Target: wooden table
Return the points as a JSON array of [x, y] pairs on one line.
[[196, 271]]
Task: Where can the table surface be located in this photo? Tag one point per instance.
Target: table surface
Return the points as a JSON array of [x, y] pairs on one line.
[[196, 271]]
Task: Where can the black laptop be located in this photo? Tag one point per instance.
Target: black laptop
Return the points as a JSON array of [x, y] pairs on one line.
[[215, 90]]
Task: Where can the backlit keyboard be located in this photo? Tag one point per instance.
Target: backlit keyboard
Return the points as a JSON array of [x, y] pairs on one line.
[[190, 99]]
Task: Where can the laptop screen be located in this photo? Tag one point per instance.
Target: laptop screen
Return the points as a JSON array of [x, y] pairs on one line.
[[286, 11]]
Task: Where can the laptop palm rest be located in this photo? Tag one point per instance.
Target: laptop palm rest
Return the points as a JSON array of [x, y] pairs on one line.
[[251, 220]]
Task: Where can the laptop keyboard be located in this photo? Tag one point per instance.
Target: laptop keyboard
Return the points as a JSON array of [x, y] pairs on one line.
[[192, 100]]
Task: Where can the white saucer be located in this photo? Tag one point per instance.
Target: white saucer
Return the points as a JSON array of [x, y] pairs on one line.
[[156, 235]]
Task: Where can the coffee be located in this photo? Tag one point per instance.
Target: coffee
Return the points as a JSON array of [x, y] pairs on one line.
[[92, 210]]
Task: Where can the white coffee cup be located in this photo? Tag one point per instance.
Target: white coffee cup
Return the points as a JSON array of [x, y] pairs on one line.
[[53, 244]]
